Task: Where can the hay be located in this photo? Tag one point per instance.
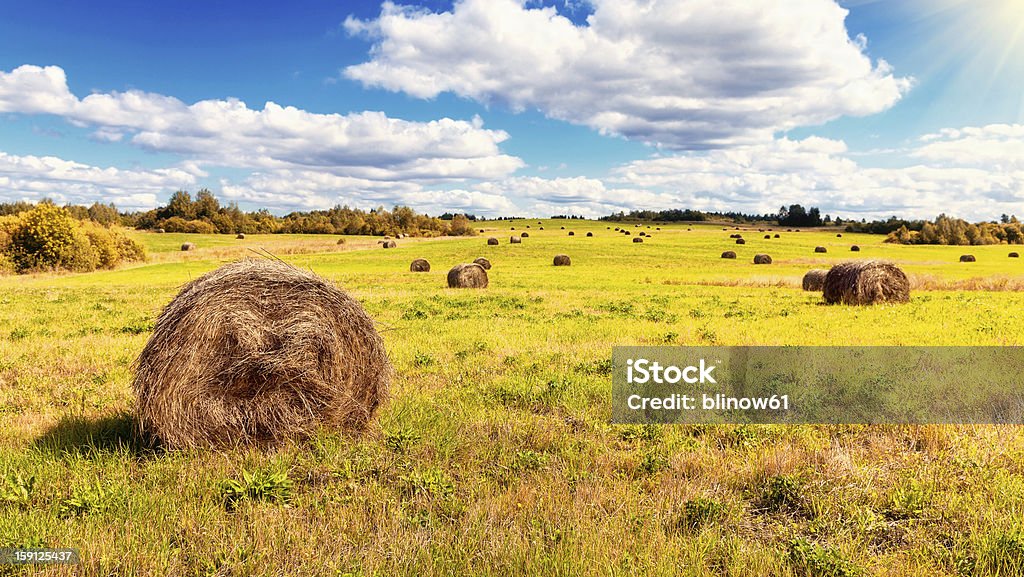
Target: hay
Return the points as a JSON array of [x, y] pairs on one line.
[[470, 275], [562, 260], [637, 239], [512, 228], [767, 237], [820, 249], [967, 258], [159, 231], [542, 228], [626, 232], [483, 262], [854, 248], [515, 240], [525, 235], [340, 241], [728, 254], [866, 282], [1014, 255], [257, 352], [777, 235], [390, 244], [740, 241], [571, 233], [188, 246], [616, 229], [590, 234], [839, 235], [420, 265], [492, 241], [735, 236], [814, 280], [563, 228], [762, 259]]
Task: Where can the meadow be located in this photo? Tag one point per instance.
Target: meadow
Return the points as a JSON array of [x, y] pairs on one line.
[[495, 455]]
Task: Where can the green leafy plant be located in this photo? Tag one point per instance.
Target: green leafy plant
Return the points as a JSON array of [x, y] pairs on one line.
[[701, 512], [268, 486], [813, 560], [17, 490], [85, 500]]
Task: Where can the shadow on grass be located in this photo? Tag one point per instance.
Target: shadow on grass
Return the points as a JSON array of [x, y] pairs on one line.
[[89, 436]]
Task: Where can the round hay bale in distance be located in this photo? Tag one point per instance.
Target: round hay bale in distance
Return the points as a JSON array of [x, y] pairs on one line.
[[820, 249], [854, 248], [866, 282], [728, 254], [762, 259], [777, 235], [258, 352], [967, 258], [159, 231], [571, 233], [814, 280], [492, 241], [590, 234], [240, 236], [1014, 255], [340, 241], [515, 240], [483, 262], [740, 241], [188, 246], [637, 239], [839, 235], [420, 265], [767, 237], [525, 235], [562, 260], [389, 244], [470, 275]]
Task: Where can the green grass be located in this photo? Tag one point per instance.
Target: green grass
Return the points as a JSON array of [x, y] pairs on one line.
[[495, 455]]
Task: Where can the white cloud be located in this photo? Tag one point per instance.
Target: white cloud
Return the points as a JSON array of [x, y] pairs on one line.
[[34, 178], [228, 133], [681, 73]]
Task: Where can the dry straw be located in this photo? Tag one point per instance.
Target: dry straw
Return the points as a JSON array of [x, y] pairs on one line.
[[492, 241], [188, 246], [483, 262], [562, 260], [470, 275], [968, 258], [728, 254], [762, 259], [390, 244], [637, 239], [740, 241], [1014, 255], [515, 240], [240, 236], [820, 249], [854, 248], [419, 265], [257, 352], [814, 280], [866, 282]]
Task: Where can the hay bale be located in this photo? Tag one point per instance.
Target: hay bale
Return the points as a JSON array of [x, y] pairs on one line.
[[390, 244], [240, 236], [159, 231], [762, 259], [616, 229], [188, 246], [492, 241], [470, 275], [642, 233], [571, 233], [562, 260], [658, 228], [740, 241], [637, 239], [1014, 255], [814, 280], [481, 230], [563, 228], [340, 241], [527, 226], [483, 262], [777, 235], [967, 258], [525, 235], [515, 240], [866, 282], [420, 265], [854, 248], [734, 235], [258, 352], [542, 228], [839, 235], [590, 234], [513, 228], [767, 237], [626, 232], [820, 249], [728, 254]]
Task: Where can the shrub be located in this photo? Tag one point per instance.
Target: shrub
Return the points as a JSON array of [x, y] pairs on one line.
[[44, 238]]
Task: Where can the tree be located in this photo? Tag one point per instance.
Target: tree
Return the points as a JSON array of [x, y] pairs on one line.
[[206, 205]]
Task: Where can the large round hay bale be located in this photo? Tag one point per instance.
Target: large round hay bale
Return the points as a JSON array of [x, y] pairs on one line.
[[1014, 255], [626, 233], [728, 254], [240, 236], [515, 240], [820, 249], [814, 280], [866, 282], [590, 234], [854, 248], [740, 241], [562, 260], [159, 231], [483, 262], [420, 265], [777, 235], [390, 244], [571, 233], [257, 352], [188, 246], [967, 258], [525, 235], [492, 241], [470, 275], [762, 259], [767, 237], [637, 239]]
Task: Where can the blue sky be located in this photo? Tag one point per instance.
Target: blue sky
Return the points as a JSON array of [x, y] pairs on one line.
[[497, 107]]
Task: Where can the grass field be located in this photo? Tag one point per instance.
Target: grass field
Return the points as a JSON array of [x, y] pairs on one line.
[[495, 455]]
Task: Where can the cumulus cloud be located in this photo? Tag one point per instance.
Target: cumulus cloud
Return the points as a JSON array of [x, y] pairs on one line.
[[679, 73], [228, 133], [34, 178]]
